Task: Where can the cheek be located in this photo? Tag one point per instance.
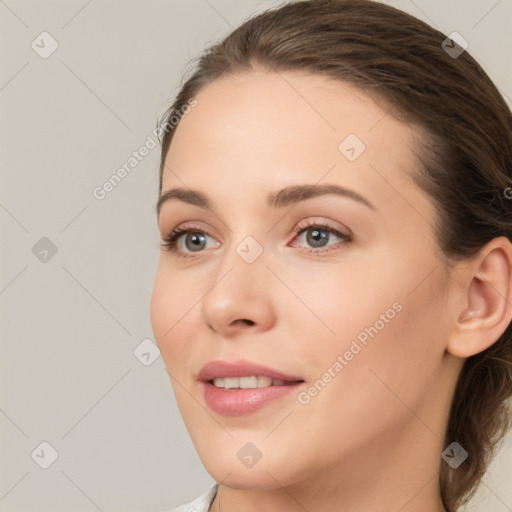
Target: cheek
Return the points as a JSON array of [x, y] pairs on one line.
[[172, 304], [381, 380], [392, 346], [380, 328], [342, 306]]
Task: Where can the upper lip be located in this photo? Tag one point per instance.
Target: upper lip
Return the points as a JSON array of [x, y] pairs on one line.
[[219, 368]]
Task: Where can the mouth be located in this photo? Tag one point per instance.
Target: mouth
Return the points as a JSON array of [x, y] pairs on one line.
[[239, 388], [252, 382]]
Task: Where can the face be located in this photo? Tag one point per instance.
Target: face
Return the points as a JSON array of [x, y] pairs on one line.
[[303, 246]]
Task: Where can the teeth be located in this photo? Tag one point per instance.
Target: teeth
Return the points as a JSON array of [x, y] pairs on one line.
[[231, 382], [246, 382], [218, 382], [251, 382], [263, 382]]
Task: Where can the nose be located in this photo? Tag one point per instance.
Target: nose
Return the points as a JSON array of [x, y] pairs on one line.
[[240, 298]]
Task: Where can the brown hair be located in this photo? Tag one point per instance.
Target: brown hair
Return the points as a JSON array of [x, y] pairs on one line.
[[464, 155]]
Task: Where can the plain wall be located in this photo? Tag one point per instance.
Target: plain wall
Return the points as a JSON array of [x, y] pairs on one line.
[[70, 321]]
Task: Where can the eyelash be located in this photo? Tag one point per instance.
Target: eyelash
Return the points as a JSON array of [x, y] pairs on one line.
[[169, 242]]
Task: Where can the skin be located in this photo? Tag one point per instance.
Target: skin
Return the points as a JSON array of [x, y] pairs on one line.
[[371, 440]]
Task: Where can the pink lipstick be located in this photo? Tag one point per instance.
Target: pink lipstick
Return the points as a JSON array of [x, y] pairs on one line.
[[242, 387]]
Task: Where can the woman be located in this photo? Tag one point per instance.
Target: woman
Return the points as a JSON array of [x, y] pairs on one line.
[[333, 294]]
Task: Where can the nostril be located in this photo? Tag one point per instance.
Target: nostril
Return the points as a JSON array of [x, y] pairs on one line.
[[245, 321]]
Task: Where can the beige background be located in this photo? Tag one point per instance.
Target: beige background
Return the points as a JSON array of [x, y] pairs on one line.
[[70, 323]]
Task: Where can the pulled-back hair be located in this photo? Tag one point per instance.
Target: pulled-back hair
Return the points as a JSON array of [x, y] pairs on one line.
[[464, 158]]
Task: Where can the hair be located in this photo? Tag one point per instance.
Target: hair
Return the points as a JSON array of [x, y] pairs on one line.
[[464, 156]]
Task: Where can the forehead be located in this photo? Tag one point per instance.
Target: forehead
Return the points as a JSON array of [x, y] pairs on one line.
[[262, 129]]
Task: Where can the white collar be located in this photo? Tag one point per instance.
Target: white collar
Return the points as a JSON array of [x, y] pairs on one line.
[[201, 503]]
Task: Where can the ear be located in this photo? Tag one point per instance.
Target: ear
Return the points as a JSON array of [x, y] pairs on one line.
[[485, 308]]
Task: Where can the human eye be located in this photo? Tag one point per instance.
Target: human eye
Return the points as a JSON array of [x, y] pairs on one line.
[[185, 240], [315, 236]]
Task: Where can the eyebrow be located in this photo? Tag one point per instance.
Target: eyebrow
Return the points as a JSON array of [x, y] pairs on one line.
[[287, 196]]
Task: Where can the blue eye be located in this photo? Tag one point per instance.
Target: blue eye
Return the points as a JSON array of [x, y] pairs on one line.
[[193, 240], [316, 236], [313, 238]]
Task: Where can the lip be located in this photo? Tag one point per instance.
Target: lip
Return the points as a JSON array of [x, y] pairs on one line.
[[240, 369], [238, 402]]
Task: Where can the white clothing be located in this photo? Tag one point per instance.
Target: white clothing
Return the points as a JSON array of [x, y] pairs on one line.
[[200, 504]]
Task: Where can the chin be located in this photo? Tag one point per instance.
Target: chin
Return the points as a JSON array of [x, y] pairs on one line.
[[246, 461], [258, 478]]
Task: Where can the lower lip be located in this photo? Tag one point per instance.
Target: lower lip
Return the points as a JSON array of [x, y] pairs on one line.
[[236, 402]]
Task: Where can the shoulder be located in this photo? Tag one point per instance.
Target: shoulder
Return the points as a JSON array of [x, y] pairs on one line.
[[200, 504]]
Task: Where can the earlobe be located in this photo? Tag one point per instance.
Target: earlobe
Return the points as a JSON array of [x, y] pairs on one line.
[[487, 311]]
